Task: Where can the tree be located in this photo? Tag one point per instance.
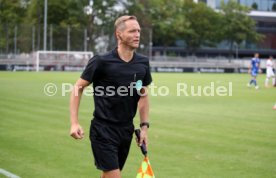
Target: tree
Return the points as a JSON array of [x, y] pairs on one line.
[[174, 24], [11, 13], [274, 7], [203, 25], [237, 26], [61, 14], [75, 15], [254, 6], [101, 20], [165, 18], [174, 20]]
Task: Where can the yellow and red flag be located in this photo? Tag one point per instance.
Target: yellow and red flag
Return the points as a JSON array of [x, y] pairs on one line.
[[145, 170]]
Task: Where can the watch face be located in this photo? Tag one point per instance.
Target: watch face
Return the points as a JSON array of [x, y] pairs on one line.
[[139, 85]]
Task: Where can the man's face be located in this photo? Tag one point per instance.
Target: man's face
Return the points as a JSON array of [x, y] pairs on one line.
[[257, 55], [130, 36]]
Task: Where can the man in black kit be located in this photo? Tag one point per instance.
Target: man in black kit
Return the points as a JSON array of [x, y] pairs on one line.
[[119, 80]]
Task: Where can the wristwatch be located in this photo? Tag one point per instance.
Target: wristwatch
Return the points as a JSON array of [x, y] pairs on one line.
[[144, 124]]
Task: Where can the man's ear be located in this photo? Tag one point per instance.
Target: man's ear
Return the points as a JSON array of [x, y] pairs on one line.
[[118, 35]]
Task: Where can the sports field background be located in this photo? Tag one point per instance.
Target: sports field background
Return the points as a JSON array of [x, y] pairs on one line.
[[190, 137]]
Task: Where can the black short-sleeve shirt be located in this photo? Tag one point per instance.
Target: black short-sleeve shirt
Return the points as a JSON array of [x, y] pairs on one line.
[[110, 74]]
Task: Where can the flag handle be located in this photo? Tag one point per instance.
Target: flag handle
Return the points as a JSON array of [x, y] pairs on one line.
[[143, 146]]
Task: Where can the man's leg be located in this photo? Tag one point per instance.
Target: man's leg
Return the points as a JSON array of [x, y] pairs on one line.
[[253, 79], [255, 82], [126, 138], [104, 148], [267, 82], [111, 174], [272, 75]]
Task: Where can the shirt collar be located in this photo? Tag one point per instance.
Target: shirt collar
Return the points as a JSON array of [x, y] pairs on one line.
[[116, 54]]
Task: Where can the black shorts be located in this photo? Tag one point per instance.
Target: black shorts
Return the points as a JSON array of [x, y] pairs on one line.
[[110, 144]]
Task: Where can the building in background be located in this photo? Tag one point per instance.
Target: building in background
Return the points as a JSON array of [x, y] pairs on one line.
[[259, 5], [264, 12]]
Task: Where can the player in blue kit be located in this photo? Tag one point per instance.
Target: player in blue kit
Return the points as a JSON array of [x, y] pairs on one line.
[[254, 70]]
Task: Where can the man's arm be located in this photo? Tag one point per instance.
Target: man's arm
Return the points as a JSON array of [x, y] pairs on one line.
[[143, 107], [76, 130]]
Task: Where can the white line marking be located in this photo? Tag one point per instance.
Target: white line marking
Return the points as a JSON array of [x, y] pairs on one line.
[[8, 174]]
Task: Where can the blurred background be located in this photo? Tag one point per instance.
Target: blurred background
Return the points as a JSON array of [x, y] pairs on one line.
[[187, 41], [180, 32]]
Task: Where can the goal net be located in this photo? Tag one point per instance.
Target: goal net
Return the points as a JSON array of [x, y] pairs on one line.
[[61, 60]]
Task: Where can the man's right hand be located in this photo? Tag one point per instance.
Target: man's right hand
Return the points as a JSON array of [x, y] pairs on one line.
[[76, 131]]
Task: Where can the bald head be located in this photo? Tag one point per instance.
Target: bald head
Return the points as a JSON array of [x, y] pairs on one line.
[[120, 22]]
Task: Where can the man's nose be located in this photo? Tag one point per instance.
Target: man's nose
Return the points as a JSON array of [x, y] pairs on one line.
[[137, 34]]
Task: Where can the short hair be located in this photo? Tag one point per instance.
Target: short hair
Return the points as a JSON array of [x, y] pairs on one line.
[[120, 22]]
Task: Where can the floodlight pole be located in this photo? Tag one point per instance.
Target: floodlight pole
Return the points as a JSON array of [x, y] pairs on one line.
[[150, 44], [45, 25]]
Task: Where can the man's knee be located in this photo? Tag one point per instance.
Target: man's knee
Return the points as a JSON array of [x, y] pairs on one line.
[[111, 174]]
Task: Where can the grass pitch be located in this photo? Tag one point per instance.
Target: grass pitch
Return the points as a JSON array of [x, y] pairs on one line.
[[190, 136]]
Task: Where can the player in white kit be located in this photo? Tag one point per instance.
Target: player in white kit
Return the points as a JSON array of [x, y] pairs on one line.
[[269, 71]]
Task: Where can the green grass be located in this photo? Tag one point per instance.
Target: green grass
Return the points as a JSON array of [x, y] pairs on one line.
[[190, 136]]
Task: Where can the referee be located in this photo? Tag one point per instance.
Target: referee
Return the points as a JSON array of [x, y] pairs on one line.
[[119, 79]]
